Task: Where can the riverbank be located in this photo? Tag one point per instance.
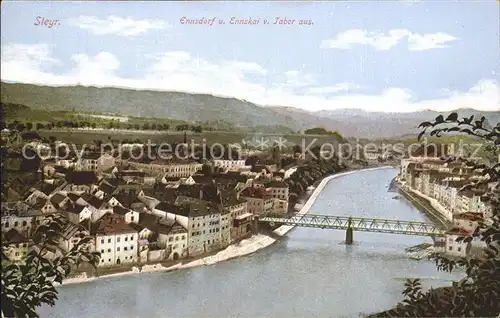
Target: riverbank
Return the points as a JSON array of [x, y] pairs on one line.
[[429, 205], [242, 248]]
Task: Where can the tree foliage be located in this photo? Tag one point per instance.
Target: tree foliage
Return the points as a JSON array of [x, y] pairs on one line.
[[478, 294], [323, 131], [308, 173], [28, 285]]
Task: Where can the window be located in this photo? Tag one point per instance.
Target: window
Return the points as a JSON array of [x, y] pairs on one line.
[[102, 241], [132, 238], [25, 223], [109, 259], [117, 249], [7, 224], [102, 251], [125, 248], [459, 249], [109, 240], [117, 240], [450, 248], [132, 218], [131, 247], [17, 253], [126, 239], [16, 223]]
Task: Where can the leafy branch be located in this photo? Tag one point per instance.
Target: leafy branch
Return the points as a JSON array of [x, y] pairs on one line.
[[478, 294], [28, 285]]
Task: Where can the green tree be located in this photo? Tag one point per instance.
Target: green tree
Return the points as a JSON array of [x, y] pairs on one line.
[[21, 127], [39, 126], [478, 294], [28, 285], [182, 127], [29, 125], [196, 129]]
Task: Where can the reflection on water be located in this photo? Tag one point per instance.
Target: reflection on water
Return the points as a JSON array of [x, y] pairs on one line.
[[308, 273]]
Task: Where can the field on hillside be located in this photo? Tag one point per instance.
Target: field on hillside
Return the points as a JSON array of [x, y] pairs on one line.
[[86, 137]]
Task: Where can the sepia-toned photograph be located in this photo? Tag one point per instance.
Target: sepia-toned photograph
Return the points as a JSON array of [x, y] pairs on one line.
[[250, 159]]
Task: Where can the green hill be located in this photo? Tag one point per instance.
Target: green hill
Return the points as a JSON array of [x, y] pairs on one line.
[[142, 103]]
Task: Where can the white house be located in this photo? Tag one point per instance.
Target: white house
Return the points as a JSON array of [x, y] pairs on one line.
[[19, 216], [468, 221], [202, 219], [454, 248], [15, 246], [170, 168], [277, 189], [116, 240], [78, 213], [231, 165], [45, 206], [59, 200], [71, 235], [35, 196], [176, 241], [95, 162], [259, 202], [130, 216]]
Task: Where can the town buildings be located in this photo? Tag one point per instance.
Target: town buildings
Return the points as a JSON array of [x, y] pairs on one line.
[[140, 212], [442, 182]]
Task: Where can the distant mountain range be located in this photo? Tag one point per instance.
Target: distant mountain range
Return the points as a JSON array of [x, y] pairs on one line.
[[204, 107]]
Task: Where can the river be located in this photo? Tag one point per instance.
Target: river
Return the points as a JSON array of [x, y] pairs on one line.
[[307, 273]]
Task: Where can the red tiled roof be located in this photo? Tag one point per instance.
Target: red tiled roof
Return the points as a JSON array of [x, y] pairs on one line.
[[458, 231], [113, 224], [473, 216], [258, 193]]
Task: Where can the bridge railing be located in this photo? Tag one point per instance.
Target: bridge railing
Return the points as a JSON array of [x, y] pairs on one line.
[[356, 223]]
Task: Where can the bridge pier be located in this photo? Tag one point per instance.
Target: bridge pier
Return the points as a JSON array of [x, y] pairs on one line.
[[349, 233], [349, 236]]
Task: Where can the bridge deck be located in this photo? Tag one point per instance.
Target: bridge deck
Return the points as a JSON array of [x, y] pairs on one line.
[[357, 224]]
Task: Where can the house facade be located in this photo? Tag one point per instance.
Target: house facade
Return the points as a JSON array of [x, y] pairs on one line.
[[116, 240]]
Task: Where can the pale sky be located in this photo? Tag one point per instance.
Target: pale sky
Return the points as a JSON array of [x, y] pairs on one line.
[[392, 56]]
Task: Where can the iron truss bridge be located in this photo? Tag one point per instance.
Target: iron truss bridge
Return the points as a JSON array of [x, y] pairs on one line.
[[356, 224]]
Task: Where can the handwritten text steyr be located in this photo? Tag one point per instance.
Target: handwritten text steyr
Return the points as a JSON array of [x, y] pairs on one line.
[[49, 23]]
